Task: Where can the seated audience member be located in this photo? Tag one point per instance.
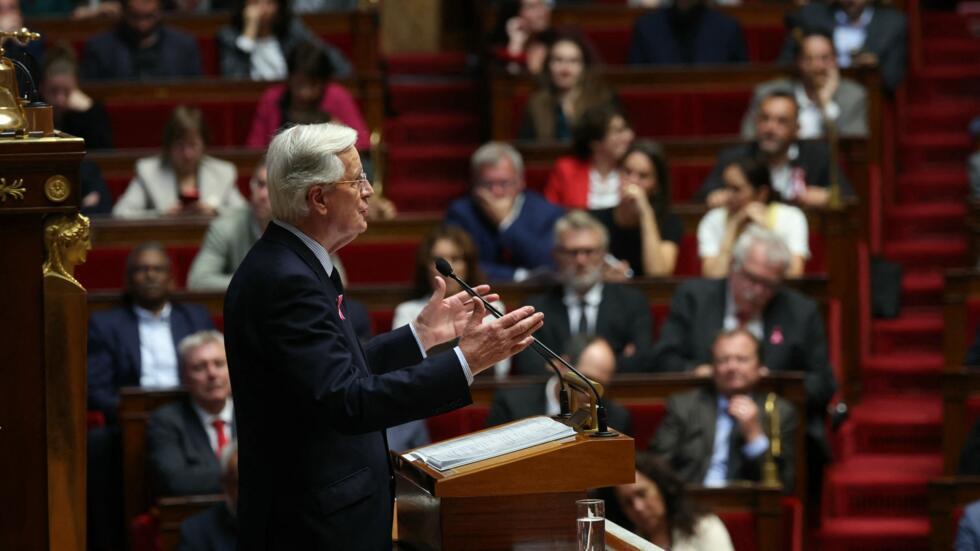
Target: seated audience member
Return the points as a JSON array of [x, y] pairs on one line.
[[141, 48], [454, 245], [642, 230], [715, 435], [183, 179], [96, 198], [589, 179], [582, 304], [567, 87], [185, 439], [865, 35], [262, 36], [136, 343], [75, 112], [510, 226], [749, 188], [593, 357], [753, 297], [230, 236], [973, 163], [800, 170], [321, 6], [216, 529], [656, 507], [523, 33], [968, 531], [309, 96], [820, 93], [689, 32]]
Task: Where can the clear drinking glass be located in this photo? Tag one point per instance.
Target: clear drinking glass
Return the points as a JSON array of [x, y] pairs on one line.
[[591, 524]]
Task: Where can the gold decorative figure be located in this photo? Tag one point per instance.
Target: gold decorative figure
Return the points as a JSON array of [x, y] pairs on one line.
[[68, 240], [14, 189]]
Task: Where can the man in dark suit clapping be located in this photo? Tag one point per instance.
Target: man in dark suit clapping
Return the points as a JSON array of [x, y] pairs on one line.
[[311, 403]]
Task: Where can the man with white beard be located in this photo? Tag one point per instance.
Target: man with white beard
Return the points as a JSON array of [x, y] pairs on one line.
[[583, 304]]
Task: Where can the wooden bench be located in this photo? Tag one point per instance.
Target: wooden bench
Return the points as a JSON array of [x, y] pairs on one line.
[[354, 33], [947, 497], [138, 111], [961, 296], [961, 408]]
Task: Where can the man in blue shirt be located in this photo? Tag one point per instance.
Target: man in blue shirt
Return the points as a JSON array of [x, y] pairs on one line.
[[716, 434]]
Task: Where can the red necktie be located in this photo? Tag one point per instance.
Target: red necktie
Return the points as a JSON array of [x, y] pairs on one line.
[[219, 427]]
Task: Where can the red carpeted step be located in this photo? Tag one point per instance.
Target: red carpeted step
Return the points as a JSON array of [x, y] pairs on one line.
[[901, 372], [432, 129], [925, 219], [922, 287], [434, 95], [951, 51], [895, 424], [873, 534], [934, 183], [932, 252], [439, 63], [878, 486], [911, 331], [937, 83], [429, 162], [946, 116], [922, 150], [427, 196]]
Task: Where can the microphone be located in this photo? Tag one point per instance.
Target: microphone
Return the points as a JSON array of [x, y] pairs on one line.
[[445, 268]]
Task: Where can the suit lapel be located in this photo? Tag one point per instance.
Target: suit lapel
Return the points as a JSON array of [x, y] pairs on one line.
[[708, 417], [198, 442], [129, 340]]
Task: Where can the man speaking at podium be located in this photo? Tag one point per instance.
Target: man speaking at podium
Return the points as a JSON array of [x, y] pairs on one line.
[[311, 404]]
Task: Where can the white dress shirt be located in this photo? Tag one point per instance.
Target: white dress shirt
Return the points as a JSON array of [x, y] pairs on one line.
[[811, 116], [158, 355], [573, 302], [603, 192], [266, 59], [323, 256], [227, 415], [788, 180], [849, 37]]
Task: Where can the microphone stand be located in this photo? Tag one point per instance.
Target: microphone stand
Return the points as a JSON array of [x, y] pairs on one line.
[[549, 356]]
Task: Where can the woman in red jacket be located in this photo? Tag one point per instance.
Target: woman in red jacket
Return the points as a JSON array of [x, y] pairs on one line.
[[309, 96], [589, 179]]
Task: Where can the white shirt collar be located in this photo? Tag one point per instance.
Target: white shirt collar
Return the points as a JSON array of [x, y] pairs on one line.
[[316, 248], [552, 407], [227, 413], [863, 21], [592, 297], [146, 315]]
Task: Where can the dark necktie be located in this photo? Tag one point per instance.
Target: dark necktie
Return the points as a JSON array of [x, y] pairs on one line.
[[583, 320]]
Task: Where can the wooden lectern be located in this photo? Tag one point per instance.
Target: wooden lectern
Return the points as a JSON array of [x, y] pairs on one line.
[[525, 498], [42, 345]]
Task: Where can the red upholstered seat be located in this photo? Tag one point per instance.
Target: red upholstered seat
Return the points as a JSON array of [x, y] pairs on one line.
[[140, 123], [688, 262], [646, 420], [381, 321], [817, 264], [457, 423], [741, 528], [367, 262], [687, 113], [145, 530], [106, 266]]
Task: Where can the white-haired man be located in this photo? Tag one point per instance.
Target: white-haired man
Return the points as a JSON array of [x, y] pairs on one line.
[[510, 226], [311, 403], [185, 439]]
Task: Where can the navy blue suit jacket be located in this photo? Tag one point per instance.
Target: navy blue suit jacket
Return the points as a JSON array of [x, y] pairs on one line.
[[110, 55], [114, 350], [525, 244], [215, 529], [179, 454], [311, 404], [718, 39]]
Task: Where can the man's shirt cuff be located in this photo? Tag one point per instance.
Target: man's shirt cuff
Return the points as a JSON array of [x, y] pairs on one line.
[[756, 448], [418, 341], [466, 366]]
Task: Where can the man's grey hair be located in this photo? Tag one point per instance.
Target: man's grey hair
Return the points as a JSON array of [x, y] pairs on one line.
[[490, 153], [196, 340], [302, 156], [579, 220], [777, 252]]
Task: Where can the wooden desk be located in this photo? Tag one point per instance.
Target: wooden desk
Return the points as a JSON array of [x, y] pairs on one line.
[[961, 287], [174, 510]]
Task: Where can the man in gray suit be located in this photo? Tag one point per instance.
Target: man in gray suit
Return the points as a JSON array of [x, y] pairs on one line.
[[820, 92], [230, 237], [714, 435], [185, 439]]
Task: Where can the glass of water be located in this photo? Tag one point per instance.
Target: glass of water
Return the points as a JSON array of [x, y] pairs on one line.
[[591, 524]]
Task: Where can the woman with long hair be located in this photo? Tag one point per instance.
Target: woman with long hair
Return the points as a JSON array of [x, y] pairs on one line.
[[567, 87], [656, 507], [642, 230]]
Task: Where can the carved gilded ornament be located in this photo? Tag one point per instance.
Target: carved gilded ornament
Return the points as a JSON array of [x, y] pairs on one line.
[[57, 188], [14, 189], [67, 239]]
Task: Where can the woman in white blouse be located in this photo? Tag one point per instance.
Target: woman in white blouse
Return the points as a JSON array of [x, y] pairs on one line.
[[750, 202], [182, 179], [456, 246]]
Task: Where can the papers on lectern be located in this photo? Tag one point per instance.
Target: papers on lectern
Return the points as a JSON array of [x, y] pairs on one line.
[[491, 443]]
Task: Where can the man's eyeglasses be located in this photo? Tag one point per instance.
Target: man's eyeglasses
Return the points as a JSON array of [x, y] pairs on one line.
[[572, 253], [771, 286], [361, 182]]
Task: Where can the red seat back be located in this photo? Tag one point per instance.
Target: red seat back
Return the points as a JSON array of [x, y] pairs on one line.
[[387, 262], [742, 529], [646, 420], [106, 266], [457, 423]]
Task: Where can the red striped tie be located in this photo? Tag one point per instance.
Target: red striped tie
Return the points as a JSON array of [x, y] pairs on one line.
[[219, 427]]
